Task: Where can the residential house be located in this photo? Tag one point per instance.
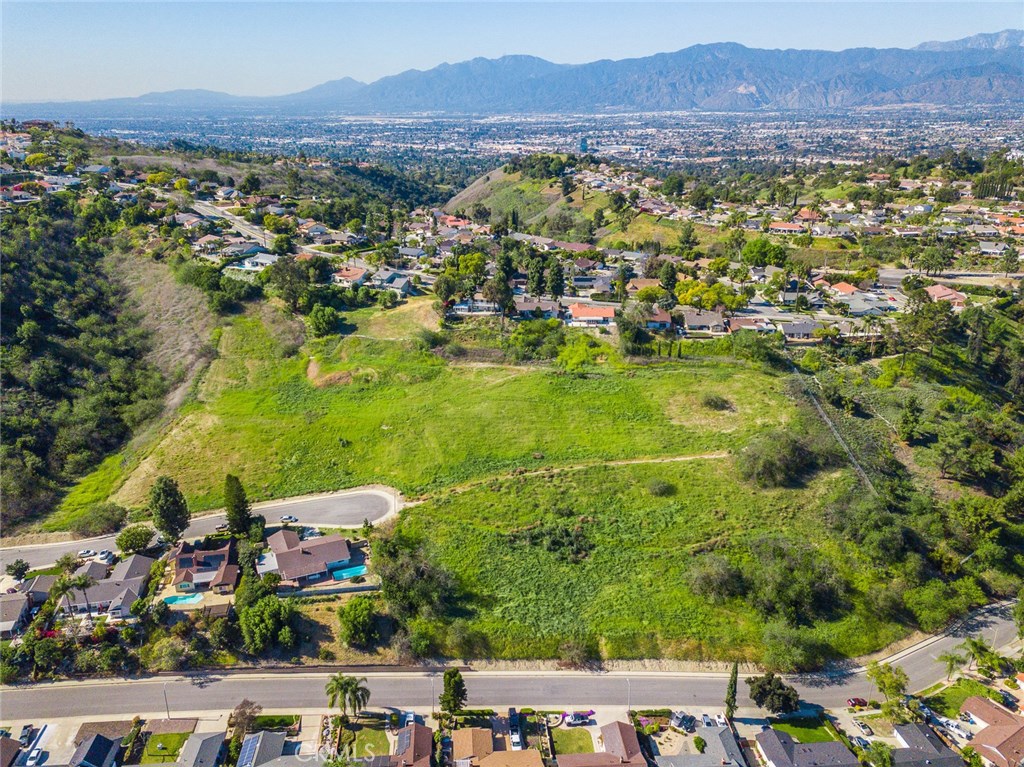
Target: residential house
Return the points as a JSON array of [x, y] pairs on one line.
[[299, 562], [800, 330], [113, 593], [261, 748], [258, 262], [589, 315], [1001, 742], [757, 324], [639, 283], [844, 289], [778, 749], [621, 747], [988, 248], [946, 293], [721, 749], [96, 751], [9, 750], [202, 750], [475, 305], [703, 322], [348, 276], [477, 747], [921, 747], [408, 252], [386, 279], [413, 747], [659, 320], [532, 308], [783, 227], [198, 569], [14, 612]]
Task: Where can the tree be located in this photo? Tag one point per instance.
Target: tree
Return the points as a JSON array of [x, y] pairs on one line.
[[134, 539], [168, 507], [977, 649], [556, 279], [236, 505], [357, 619], [879, 754], [699, 744], [262, 623], [445, 287], [971, 757], [498, 292], [291, 280], [668, 277], [953, 661], [347, 693], [890, 680], [244, 715], [772, 693], [67, 563], [322, 321], [535, 277], [1010, 261], [453, 698], [18, 569], [730, 691], [251, 183]]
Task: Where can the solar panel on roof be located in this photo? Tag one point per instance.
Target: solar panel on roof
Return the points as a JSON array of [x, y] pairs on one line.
[[247, 755], [404, 737]]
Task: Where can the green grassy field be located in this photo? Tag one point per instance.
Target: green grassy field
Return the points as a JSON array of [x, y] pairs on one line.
[[948, 701], [630, 594], [570, 740], [171, 743], [390, 412], [371, 740], [804, 730]]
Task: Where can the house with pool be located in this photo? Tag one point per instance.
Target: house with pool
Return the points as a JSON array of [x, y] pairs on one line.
[[303, 563], [197, 570]]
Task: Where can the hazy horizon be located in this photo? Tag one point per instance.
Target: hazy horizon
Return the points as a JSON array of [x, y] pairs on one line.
[[120, 50]]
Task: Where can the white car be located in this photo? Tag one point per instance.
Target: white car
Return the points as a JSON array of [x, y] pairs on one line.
[[86, 553], [34, 758], [722, 721], [289, 518]]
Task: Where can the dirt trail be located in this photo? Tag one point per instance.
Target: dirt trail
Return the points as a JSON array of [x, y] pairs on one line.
[[582, 466]]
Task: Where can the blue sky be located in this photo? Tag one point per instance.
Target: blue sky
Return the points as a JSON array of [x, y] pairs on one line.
[[82, 50]]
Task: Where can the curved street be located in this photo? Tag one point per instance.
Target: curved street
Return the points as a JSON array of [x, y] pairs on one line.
[[346, 508]]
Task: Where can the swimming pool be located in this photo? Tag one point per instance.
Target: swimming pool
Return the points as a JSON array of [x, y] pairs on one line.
[[348, 572], [184, 599]]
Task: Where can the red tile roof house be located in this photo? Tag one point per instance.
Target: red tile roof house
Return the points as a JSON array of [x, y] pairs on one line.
[[1001, 743], [845, 289], [659, 320], [783, 227], [946, 293], [198, 569], [299, 562], [348, 276], [587, 315]]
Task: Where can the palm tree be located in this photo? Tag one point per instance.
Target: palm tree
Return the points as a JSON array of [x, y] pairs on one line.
[[83, 582], [336, 689], [977, 648], [953, 661], [358, 694], [60, 590]]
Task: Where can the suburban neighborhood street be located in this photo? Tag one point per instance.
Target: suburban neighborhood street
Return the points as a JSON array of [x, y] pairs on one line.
[[347, 508], [296, 689]]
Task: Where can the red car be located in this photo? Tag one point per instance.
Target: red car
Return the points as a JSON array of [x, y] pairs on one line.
[[855, 702]]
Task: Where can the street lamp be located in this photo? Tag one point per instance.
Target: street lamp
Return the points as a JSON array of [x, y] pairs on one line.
[[629, 695], [432, 674]]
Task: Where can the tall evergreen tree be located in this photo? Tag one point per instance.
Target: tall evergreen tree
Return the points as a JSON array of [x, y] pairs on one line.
[[236, 504], [453, 698], [556, 279], [730, 691], [168, 507]]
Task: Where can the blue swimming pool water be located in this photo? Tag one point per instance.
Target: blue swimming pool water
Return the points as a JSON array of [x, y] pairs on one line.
[[184, 599], [348, 572]]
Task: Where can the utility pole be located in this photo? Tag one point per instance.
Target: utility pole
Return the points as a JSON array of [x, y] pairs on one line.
[[167, 707], [629, 696]]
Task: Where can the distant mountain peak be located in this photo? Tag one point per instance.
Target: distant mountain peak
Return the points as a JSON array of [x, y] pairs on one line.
[[992, 41]]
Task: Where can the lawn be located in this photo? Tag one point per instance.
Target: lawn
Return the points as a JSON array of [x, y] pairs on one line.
[[807, 730], [390, 412], [948, 701], [171, 743], [274, 722], [629, 594], [572, 740], [371, 740]]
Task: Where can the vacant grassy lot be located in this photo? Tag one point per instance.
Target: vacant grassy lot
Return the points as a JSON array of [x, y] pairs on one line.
[[570, 740], [948, 701], [628, 594], [391, 412], [807, 730], [163, 748]]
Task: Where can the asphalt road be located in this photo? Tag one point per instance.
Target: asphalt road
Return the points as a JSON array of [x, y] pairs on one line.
[[344, 509], [219, 691]]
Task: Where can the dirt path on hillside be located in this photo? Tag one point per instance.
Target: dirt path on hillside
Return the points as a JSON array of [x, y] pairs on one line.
[[580, 467]]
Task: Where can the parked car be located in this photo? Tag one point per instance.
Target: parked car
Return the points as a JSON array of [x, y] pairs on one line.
[[677, 719], [863, 727], [106, 557], [857, 702], [1009, 700], [965, 717], [706, 720], [288, 518], [408, 718], [86, 553], [514, 735], [26, 735], [721, 720], [222, 527], [576, 719], [34, 757], [859, 741]]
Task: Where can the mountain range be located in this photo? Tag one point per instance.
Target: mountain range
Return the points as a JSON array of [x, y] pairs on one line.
[[982, 69]]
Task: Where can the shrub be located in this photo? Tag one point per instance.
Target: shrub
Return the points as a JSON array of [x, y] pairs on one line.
[[102, 518], [700, 744], [777, 459], [660, 489], [715, 402]]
